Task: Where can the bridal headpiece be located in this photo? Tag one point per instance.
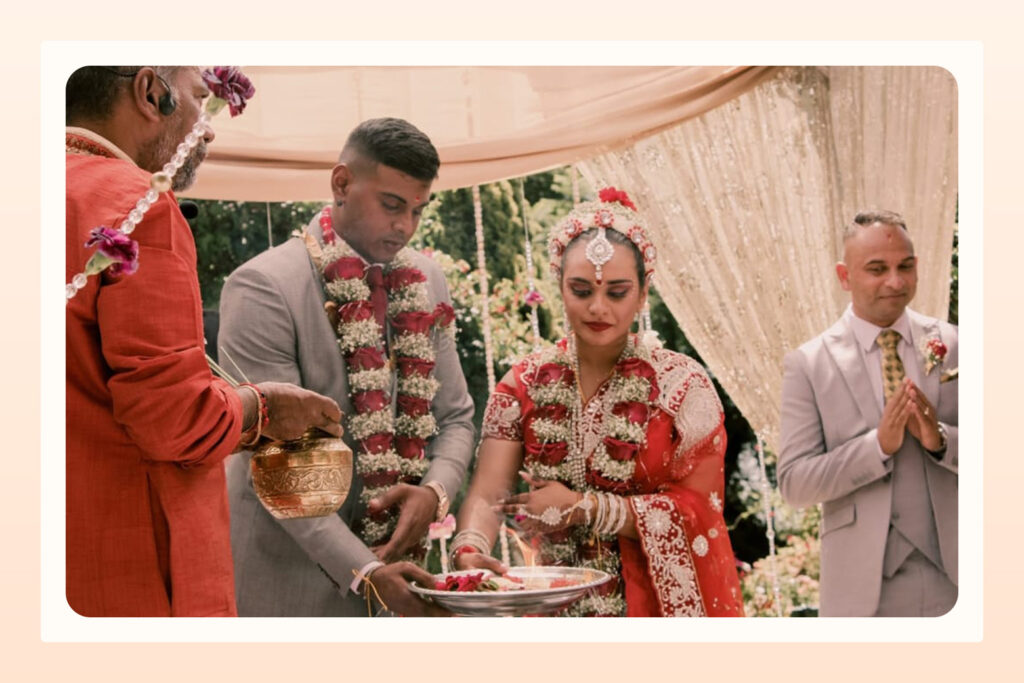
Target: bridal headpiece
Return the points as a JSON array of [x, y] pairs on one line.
[[612, 211]]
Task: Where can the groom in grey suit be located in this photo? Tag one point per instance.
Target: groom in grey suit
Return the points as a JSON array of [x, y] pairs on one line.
[[274, 326], [869, 429]]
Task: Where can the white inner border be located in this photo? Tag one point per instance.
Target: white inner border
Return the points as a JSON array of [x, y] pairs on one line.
[[962, 58]]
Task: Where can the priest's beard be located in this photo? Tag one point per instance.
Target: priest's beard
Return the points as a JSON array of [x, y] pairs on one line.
[[159, 151]]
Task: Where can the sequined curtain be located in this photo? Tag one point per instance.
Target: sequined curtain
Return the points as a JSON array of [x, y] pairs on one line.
[[746, 204]]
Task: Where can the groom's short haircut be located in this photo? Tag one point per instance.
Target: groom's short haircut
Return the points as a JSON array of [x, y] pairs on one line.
[[395, 143], [866, 218]]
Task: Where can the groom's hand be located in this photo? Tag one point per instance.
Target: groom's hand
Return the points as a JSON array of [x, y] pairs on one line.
[[418, 508], [392, 583]]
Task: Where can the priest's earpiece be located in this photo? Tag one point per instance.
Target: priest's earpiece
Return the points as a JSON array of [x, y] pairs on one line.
[[166, 103]]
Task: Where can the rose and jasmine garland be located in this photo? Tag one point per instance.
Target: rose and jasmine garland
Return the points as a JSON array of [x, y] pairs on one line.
[[554, 455], [390, 448]]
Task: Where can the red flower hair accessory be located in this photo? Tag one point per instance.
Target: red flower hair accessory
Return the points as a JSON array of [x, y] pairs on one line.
[[613, 210]]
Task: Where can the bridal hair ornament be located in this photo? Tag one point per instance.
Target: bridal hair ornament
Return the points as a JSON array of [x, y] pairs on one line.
[[612, 211]]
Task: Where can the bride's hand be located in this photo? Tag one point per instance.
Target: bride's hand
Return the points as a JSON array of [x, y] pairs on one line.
[[478, 561], [537, 509]]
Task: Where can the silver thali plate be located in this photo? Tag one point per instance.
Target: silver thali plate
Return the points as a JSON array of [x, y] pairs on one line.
[[513, 603]]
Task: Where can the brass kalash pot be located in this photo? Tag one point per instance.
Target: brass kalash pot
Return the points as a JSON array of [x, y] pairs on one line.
[[307, 477]]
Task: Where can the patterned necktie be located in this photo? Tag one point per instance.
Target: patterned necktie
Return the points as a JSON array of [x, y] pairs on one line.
[[378, 296], [892, 366]]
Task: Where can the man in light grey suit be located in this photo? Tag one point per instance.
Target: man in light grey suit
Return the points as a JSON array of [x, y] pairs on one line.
[[274, 325], [869, 429]]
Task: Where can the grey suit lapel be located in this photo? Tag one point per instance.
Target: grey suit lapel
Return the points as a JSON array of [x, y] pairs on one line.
[[842, 345]]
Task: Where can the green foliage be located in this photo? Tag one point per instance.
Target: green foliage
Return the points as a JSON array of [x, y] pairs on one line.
[[228, 234]]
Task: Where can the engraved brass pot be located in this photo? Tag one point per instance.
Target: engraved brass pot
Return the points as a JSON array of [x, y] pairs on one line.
[[307, 477]]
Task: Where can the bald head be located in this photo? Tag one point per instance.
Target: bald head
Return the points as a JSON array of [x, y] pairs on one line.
[[879, 267]]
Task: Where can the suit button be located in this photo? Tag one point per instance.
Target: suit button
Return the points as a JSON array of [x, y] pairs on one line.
[[895, 516]]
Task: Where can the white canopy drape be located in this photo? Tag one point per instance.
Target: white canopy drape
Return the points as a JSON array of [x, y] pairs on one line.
[[748, 202]]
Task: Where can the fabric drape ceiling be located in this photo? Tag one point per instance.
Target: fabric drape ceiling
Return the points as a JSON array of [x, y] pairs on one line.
[[747, 205], [488, 123]]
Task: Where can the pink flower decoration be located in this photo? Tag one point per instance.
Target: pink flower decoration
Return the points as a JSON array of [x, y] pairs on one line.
[[533, 297], [114, 249], [229, 84]]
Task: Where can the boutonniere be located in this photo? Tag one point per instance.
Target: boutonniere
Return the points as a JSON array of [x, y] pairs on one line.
[[934, 353]]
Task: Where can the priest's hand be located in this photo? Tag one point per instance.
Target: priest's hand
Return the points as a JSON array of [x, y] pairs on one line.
[[392, 586], [418, 508], [293, 410]]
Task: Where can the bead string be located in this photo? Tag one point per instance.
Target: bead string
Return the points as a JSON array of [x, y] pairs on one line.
[[530, 285], [159, 183]]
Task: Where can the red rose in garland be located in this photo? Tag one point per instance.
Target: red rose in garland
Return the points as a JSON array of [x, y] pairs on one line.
[[410, 447], [620, 450], [345, 269], [549, 453], [368, 401], [634, 411], [414, 322], [403, 277], [414, 366], [365, 358], [412, 406], [552, 411], [444, 314], [377, 443], [356, 311], [637, 367], [549, 373]]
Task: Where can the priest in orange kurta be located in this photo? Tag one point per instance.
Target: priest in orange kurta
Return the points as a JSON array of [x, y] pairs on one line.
[[148, 426]]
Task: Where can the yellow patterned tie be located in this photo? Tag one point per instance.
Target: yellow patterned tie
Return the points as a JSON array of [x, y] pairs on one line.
[[892, 366]]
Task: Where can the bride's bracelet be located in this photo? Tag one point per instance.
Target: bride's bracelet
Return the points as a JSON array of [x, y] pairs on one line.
[[553, 516], [470, 538], [611, 516]]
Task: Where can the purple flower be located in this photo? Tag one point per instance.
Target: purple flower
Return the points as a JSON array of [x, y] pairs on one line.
[[114, 249], [229, 84]]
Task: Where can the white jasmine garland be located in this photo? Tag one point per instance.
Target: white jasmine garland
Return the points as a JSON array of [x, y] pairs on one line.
[[556, 393], [624, 430], [356, 335], [408, 300], [415, 346], [420, 427], [418, 387], [362, 425], [347, 291], [549, 430], [369, 380], [632, 389], [620, 470]]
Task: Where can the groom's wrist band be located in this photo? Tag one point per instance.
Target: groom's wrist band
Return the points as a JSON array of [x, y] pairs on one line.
[[442, 499]]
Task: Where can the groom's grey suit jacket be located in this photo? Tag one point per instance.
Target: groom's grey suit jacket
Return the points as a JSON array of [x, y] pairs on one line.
[[274, 327], [829, 454]]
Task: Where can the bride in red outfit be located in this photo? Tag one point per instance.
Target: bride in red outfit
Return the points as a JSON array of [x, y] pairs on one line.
[[621, 444]]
